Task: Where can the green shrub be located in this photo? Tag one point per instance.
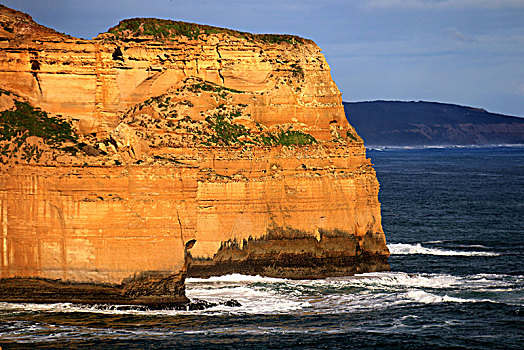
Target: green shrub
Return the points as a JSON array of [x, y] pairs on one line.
[[224, 132], [295, 138], [167, 29], [5, 92], [298, 71], [350, 136], [23, 120], [207, 86]]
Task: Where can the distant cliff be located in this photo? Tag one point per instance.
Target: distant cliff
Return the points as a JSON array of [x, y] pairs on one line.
[[163, 144], [429, 123]]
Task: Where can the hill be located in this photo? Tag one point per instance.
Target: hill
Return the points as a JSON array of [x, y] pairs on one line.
[[395, 123]]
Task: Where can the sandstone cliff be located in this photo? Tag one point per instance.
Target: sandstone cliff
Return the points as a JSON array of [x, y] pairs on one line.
[[123, 152]]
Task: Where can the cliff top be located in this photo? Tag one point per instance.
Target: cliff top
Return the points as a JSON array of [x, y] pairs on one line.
[[15, 24], [9, 12], [133, 28], [158, 86]]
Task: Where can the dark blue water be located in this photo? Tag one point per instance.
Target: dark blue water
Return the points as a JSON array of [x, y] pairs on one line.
[[453, 220], [461, 199]]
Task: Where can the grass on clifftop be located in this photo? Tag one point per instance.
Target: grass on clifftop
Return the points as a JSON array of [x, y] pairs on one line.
[[167, 29]]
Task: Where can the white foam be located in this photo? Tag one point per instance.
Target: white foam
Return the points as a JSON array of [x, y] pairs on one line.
[[66, 308], [403, 280], [235, 278], [472, 246], [407, 249], [423, 297], [263, 295], [400, 281], [254, 299]]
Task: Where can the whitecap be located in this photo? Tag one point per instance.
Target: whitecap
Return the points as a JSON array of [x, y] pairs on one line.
[[253, 299], [402, 280], [235, 277], [408, 249], [264, 295], [423, 297]]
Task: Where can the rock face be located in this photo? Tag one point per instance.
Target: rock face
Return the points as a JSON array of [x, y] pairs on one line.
[[98, 225], [192, 145], [283, 81]]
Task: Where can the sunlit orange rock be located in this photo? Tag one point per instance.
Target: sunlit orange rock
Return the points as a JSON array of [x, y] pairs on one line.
[[196, 146]]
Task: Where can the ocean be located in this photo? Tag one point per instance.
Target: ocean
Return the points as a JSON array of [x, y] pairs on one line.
[[453, 219]]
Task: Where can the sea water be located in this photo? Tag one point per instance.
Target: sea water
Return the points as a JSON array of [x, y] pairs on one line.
[[453, 219]]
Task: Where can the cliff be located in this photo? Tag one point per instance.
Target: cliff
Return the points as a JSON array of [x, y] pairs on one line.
[[395, 123], [163, 144]]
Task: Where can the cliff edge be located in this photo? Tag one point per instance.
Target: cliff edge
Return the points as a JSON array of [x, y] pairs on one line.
[[163, 148]]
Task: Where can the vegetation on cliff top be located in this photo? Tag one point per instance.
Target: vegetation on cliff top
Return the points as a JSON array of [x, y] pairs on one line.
[[168, 29], [22, 24]]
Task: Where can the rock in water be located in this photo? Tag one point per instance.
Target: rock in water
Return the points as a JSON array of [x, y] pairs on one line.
[[171, 149]]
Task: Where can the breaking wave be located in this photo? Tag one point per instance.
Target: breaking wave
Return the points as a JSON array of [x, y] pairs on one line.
[[272, 296], [406, 249]]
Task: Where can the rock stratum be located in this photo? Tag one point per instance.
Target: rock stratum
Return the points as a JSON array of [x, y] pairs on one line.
[[162, 149]]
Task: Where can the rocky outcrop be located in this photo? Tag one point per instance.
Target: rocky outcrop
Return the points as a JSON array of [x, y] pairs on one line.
[[164, 144], [284, 78]]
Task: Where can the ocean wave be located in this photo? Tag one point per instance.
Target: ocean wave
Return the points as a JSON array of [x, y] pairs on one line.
[[271, 296], [423, 297], [402, 280], [254, 299], [235, 277], [407, 249]]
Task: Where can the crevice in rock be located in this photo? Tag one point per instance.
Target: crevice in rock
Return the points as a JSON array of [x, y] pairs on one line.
[[35, 66], [220, 67], [37, 82], [118, 55]]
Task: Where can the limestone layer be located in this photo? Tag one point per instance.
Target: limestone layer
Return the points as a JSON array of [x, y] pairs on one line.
[[98, 226], [161, 149], [104, 224], [101, 78]]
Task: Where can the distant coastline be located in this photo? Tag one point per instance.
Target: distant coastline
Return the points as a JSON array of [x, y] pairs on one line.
[[396, 123], [483, 146]]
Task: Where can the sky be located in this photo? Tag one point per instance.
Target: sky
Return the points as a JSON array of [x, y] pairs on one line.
[[467, 52]]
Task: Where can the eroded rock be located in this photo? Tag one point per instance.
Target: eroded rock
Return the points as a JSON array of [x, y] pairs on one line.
[[235, 142]]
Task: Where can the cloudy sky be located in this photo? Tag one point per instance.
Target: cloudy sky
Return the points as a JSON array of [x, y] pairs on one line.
[[469, 52]]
